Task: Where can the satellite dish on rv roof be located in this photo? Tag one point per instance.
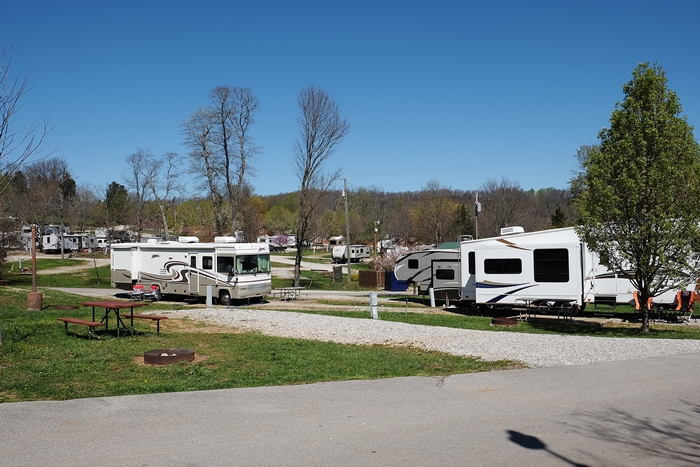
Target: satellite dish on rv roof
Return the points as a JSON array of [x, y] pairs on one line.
[[512, 230], [188, 240]]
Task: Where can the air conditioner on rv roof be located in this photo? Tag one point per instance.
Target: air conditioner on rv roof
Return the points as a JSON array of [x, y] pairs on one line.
[[224, 239], [512, 230]]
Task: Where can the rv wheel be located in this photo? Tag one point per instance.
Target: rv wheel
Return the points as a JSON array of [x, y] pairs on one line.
[[224, 298]]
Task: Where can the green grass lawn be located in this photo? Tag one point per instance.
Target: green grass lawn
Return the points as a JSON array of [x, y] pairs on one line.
[[91, 277], [39, 361]]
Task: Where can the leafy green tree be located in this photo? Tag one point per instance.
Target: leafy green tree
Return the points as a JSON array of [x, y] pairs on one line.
[[558, 218], [639, 207], [116, 204], [280, 219]]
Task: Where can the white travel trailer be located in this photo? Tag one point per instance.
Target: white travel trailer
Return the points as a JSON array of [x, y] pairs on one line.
[[549, 265], [437, 269], [51, 242], [357, 253], [187, 267]]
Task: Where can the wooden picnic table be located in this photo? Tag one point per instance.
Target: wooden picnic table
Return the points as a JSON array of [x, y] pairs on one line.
[[114, 306], [289, 293], [562, 306]]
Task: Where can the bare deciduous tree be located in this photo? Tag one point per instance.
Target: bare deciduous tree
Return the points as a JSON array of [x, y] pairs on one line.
[[142, 171], [321, 130], [505, 204], [17, 145], [166, 186], [233, 110], [204, 161], [435, 214]]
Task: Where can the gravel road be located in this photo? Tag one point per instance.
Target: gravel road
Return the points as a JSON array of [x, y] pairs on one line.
[[537, 350]]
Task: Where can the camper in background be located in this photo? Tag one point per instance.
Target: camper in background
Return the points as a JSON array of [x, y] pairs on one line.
[[437, 269]]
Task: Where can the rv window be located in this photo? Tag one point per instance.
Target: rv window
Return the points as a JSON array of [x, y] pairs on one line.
[[224, 264], [207, 262], [412, 264], [503, 266], [193, 262], [551, 265], [445, 274], [472, 262]]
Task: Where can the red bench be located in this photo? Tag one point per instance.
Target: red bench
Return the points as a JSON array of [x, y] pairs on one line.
[[90, 324], [157, 319]]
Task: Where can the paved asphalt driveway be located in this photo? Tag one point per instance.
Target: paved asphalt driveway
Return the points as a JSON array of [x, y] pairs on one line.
[[634, 413]]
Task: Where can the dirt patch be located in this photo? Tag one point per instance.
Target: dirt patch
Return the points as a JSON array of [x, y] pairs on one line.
[[197, 358]]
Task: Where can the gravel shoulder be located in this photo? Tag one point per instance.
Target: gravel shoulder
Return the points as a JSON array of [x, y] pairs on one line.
[[536, 350]]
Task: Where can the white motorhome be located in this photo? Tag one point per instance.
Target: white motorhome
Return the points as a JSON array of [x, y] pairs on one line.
[[437, 269], [357, 253], [187, 267], [549, 265]]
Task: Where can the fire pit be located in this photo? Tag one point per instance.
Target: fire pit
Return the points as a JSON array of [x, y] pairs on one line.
[[504, 322], [167, 356]]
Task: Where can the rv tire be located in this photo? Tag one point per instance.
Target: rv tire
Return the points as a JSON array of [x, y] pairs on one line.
[[224, 298]]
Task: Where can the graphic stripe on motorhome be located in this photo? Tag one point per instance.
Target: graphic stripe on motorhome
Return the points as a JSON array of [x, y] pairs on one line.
[[410, 279], [183, 275], [511, 244], [501, 297], [495, 285]]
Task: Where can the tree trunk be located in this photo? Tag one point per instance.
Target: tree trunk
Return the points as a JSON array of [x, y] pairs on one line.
[[645, 321]]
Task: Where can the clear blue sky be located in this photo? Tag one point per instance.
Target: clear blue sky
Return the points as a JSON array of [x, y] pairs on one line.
[[453, 91]]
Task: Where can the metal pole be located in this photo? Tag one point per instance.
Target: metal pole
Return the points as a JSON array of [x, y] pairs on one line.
[[347, 226], [33, 258], [477, 210]]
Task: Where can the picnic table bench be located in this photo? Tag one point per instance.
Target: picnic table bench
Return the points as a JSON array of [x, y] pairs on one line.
[[91, 324], [155, 318]]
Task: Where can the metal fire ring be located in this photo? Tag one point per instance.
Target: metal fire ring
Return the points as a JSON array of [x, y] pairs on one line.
[[167, 356], [504, 322]]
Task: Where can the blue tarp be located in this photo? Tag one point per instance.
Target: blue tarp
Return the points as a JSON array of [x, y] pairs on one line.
[[392, 283]]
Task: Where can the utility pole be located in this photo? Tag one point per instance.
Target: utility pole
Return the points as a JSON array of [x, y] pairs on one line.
[[347, 226], [477, 210], [376, 223]]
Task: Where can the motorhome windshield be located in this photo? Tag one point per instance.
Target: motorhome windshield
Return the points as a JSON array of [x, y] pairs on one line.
[[244, 264], [252, 264]]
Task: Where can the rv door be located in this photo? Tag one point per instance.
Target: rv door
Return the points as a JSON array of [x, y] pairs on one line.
[[135, 263], [194, 275]]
